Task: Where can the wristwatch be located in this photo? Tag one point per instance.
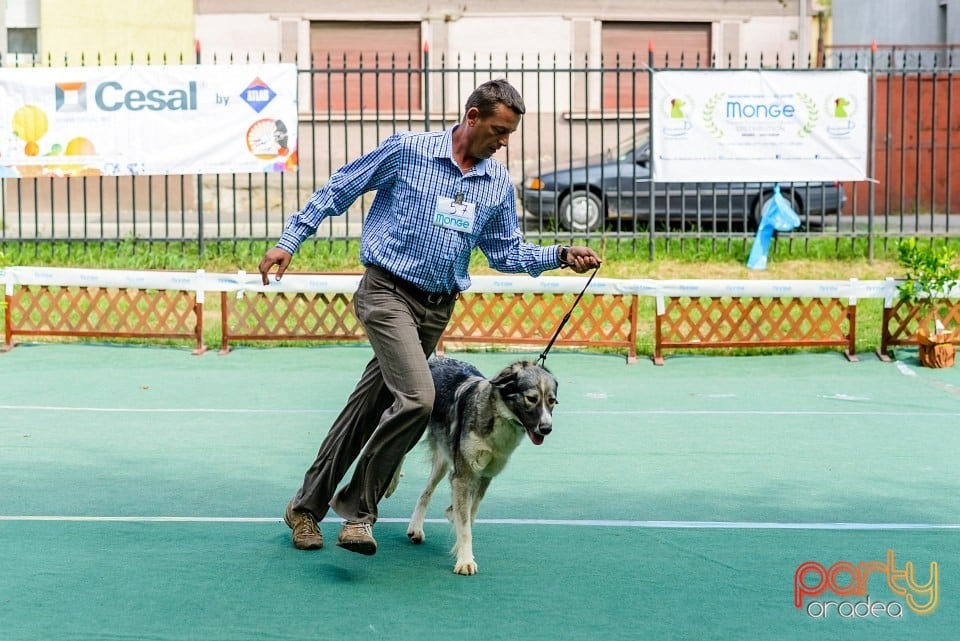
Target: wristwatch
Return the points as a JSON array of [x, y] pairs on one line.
[[562, 254]]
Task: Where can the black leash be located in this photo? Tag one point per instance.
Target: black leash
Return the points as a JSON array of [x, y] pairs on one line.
[[542, 359]]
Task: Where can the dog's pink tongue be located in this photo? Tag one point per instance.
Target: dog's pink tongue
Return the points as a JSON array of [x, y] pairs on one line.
[[536, 439]]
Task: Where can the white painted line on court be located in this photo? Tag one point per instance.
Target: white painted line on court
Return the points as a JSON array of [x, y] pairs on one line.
[[941, 385], [904, 369], [690, 525], [593, 412], [757, 413], [845, 397], [165, 410]]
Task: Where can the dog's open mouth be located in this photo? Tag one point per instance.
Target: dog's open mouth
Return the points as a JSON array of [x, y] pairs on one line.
[[535, 437]]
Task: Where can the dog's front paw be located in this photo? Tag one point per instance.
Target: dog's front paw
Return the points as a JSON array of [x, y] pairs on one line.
[[415, 535], [466, 567]]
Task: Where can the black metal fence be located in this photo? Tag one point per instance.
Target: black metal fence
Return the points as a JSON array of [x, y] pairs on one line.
[[576, 112]]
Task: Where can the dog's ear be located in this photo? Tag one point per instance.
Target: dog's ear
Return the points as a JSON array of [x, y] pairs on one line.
[[507, 377]]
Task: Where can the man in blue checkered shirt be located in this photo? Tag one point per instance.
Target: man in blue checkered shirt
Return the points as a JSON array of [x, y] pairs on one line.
[[439, 196]]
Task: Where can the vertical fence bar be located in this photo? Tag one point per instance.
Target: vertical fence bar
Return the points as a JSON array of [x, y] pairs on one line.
[[651, 245], [569, 159], [933, 144], [426, 86], [586, 144], [949, 146], [918, 133], [634, 204], [871, 151], [200, 248], [888, 150], [555, 132], [903, 138]]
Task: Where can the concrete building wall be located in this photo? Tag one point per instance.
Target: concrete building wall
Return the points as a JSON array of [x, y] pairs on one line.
[[239, 36], [21, 16], [141, 28], [453, 9], [896, 22], [22, 13], [772, 37], [500, 27]]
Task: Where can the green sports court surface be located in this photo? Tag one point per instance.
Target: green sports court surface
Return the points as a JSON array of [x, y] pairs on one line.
[[142, 489]]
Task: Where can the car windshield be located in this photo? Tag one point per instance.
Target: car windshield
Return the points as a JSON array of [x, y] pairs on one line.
[[625, 150]]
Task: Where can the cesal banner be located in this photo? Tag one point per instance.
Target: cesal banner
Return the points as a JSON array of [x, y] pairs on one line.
[[148, 120], [757, 125]]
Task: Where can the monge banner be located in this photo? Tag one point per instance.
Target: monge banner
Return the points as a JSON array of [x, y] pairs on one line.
[[775, 126], [147, 120]]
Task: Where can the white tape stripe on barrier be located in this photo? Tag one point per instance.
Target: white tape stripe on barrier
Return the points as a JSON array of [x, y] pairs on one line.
[[567, 412], [200, 281], [118, 278]]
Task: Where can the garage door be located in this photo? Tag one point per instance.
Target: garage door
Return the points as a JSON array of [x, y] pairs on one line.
[[365, 65], [623, 91]]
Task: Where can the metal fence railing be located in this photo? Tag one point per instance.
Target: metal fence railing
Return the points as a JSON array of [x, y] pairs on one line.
[[577, 111]]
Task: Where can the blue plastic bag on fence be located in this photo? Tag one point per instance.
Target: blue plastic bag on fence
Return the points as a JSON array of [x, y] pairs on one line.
[[777, 216]]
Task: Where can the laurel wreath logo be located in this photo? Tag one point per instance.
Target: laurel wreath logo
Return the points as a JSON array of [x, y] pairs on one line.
[[813, 115], [709, 111]]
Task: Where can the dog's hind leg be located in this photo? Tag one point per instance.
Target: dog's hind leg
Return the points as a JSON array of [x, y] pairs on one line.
[[461, 513], [437, 472]]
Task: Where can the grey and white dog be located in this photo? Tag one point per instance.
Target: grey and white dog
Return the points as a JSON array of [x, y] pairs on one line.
[[475, 425]]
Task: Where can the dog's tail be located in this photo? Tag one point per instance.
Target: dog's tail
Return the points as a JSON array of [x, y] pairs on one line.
[[395, 481]]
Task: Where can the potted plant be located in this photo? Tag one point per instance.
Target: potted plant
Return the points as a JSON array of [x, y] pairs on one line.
[[931, 276]]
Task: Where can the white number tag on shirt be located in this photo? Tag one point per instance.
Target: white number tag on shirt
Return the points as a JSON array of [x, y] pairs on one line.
[[451, 214]]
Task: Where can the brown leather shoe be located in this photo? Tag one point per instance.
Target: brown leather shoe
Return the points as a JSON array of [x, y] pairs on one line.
[[306, 533], [357, 537]]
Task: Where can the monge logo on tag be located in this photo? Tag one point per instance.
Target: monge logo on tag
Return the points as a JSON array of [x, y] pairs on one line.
[[852, 583]]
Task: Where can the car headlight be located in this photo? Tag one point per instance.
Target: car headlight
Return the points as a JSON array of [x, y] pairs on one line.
[[536, 184]]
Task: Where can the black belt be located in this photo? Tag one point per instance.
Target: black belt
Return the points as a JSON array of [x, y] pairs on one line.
[[422, 296]]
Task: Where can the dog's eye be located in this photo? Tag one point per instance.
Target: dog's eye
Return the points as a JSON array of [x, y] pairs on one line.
[[531, 399]]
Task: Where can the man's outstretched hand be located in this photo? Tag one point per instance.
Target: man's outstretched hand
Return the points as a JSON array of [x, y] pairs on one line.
[[581, 259], [275, 256]]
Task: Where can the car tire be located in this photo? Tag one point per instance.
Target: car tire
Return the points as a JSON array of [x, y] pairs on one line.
[[581, 211], [764, 201]]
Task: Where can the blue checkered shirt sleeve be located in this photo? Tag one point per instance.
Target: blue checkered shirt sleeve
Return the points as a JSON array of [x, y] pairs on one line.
[[409, 172]]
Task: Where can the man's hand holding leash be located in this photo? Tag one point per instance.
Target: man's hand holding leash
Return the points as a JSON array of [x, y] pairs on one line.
[[578, 258]]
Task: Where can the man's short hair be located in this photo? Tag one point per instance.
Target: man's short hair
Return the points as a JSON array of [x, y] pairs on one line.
[[487, 96]]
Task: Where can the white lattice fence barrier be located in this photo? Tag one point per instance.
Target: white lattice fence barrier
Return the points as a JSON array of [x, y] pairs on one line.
[[497, 310]]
